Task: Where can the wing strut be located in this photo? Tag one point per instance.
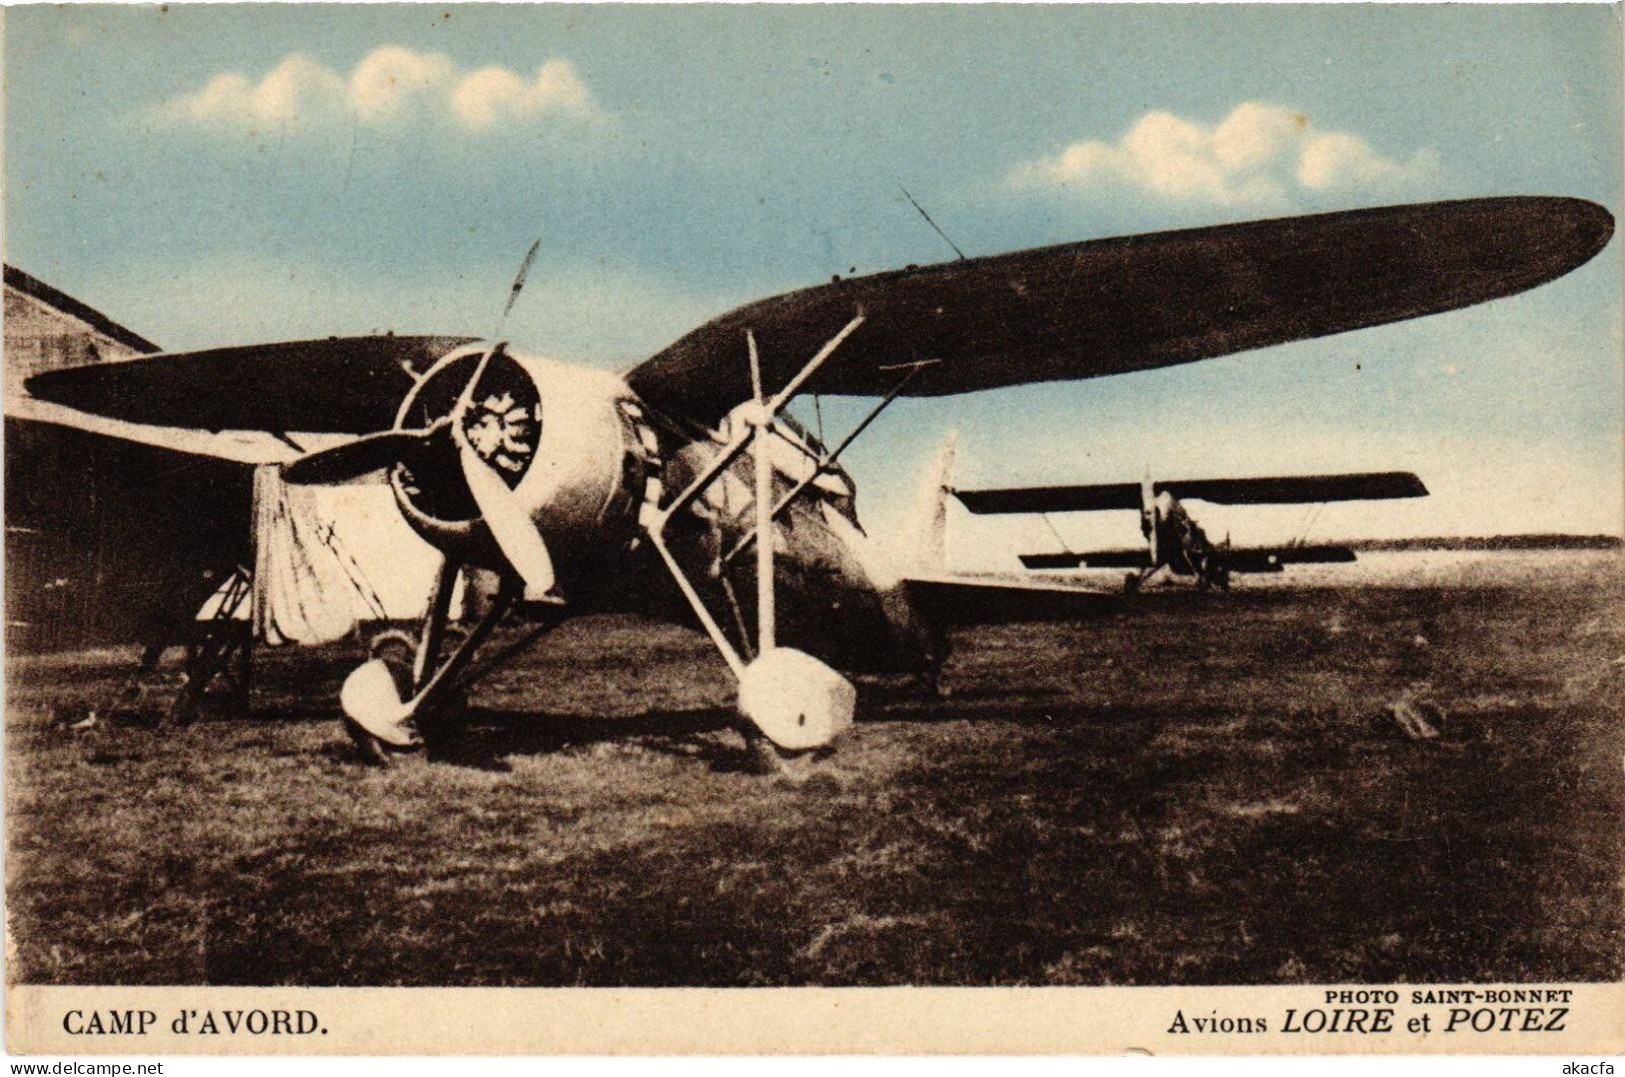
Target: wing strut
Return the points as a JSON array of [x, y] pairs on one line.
[[760, 420], [825, 462], [796, 701], [1065, 546]]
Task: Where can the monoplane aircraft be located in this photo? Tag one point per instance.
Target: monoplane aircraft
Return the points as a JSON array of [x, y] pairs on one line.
[[1175, 542], [683, 488]]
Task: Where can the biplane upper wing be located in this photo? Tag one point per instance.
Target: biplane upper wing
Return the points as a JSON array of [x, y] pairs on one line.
[[1084, 310], [1274, 490], [1299, 489], [1088, 498]]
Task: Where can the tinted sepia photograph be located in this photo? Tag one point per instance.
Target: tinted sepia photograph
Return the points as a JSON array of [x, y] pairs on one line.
[[813, 496]]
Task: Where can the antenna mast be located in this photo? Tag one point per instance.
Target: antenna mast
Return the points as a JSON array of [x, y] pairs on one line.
[[932, 223]]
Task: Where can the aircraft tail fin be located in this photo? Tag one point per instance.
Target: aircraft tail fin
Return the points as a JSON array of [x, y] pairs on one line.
[[923, 537]]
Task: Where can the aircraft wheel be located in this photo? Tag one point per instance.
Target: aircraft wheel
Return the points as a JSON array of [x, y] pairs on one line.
[[395, 649], [1131, 583]]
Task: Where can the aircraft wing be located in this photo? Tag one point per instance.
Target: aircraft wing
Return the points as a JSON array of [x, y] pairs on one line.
[[1079, 310], [1272, 560], [1085, 310], [970, 600], [341, 385], [1299, 489], [237, 446], [1112, 495], [1065, 559], [1281, 490], [1134, 558]]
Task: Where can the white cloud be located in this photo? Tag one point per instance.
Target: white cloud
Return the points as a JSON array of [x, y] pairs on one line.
[[1261, 155], [296, 92], [495, 94], [391, 81], [1346, 162], [391, 85]]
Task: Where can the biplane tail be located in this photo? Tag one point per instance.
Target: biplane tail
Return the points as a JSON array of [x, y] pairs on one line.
[[923, 537]]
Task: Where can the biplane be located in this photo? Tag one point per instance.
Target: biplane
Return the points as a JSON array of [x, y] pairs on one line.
[[684, 488], [1175, 542]]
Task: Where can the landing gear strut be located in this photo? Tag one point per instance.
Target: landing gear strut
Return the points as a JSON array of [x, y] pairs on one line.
[[390, 705], [791, 698]]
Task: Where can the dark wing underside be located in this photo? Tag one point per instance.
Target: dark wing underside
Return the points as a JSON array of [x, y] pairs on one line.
[[1272, 560], [1299, 489], [1079, 310], [1277, 490], [1140, 558], [1266, 559], [1115, 495], [1085, 310], [1115, 559], [341, 385]]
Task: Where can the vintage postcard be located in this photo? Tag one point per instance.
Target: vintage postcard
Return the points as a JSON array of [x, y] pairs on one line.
[[752, 529]]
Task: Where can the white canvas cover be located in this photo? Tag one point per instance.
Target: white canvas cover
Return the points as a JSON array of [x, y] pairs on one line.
[[307, 586]]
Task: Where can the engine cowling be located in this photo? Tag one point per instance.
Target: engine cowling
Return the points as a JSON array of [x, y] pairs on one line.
[[571, 443]]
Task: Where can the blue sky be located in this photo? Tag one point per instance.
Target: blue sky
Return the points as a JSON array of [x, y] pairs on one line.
[[230, 173]]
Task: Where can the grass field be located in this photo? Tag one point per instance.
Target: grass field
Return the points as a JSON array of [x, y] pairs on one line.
[[1202, 790]]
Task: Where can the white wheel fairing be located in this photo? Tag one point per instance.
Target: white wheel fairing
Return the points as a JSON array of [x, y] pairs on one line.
[[796, 701]]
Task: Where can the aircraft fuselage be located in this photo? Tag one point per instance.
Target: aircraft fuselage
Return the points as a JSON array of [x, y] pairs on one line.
[[585, 457]]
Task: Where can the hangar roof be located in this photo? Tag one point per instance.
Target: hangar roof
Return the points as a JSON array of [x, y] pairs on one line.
[[38, 289]]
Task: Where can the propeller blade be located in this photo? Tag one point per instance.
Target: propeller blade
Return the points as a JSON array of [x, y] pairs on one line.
[[353, 459], [518, 284], [515, 532]]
